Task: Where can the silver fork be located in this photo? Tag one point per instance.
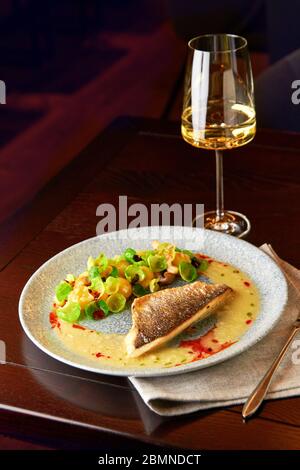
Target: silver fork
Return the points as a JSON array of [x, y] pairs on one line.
[[257, 396]]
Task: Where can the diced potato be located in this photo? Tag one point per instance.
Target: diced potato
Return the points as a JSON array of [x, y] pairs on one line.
[[125, 287], [121, 266], [81, 294], [181, 257], [149, 275]]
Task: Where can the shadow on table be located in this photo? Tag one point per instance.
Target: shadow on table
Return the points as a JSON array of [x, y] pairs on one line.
[[102, 394]]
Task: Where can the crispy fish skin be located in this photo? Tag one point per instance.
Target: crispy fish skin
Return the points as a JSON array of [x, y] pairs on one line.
[[161, 316]]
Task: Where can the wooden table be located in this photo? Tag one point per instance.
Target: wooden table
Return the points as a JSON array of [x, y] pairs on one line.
[[57, 406]]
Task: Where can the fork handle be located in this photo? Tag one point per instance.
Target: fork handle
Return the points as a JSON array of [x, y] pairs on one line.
[[259, 393]]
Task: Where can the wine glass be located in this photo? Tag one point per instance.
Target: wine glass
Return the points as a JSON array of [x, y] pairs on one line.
[[218, 111]]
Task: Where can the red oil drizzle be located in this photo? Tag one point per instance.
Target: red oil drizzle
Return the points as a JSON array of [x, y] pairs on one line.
[[199, 255], [201, 348], [99, 354], [54, 320], [79, 327], [247, 284], [196, 346]]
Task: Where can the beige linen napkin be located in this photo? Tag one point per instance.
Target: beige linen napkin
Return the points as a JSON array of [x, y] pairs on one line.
[[232, 381]]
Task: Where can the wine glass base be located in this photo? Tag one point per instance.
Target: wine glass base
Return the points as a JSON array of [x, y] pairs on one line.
[[232, 223]]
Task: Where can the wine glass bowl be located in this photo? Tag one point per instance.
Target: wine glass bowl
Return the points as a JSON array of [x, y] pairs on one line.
[[218, 110]]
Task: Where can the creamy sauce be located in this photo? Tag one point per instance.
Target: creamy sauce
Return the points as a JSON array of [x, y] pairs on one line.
[[233, 320]]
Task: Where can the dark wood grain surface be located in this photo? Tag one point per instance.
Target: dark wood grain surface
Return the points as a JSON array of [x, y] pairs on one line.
[[147, 161]]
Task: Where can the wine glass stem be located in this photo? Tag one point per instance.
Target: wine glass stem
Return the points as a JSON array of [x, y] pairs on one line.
[[219, 186]]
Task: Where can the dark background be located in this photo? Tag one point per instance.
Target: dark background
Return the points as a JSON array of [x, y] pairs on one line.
[[71, 67]]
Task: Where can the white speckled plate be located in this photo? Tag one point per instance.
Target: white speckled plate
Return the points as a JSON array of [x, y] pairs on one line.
[[37, 296]]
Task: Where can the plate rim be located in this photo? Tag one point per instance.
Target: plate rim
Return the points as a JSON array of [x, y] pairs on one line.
[[224, 355]]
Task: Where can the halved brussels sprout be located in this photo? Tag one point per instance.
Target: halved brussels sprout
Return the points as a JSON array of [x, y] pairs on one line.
[[102, 305], [139, 290], [145, 255], [101, 262], [114, 272], [129, 254], [187, 271], [166, 249], [116, 302], [154, 285], [97, 285], [62, 291], [157, 263], [70, 312], [112, 285], [204, 265], [134, 273], [90, 262], [90, 309], [188, 252], [93, 307], [94, 272]]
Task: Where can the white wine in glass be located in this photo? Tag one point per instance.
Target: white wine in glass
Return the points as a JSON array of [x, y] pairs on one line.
[[218, 111]]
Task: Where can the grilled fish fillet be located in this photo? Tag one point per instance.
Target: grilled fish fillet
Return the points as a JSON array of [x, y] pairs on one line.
[[159, 317]]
